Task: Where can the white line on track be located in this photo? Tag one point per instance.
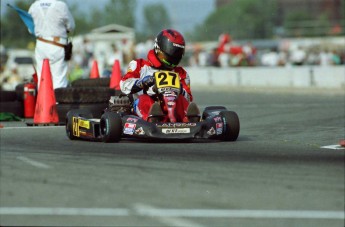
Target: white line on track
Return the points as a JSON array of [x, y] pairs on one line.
[[33, 162], [181, 213], [145, 210], [333, 147], [210, 213], [64, 211]]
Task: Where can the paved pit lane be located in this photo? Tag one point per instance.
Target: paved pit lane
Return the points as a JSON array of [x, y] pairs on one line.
[[282, 171]]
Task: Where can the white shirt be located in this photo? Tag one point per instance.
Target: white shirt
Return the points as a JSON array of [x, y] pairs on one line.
[[298, 56], [270, 59], [52, 18]]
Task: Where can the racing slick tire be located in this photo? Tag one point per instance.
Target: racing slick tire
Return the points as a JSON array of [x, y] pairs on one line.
[[8, 96], [69, 120], [111, 127], [14, 107], [83, 94], [232, 125], [209, 109], [88, 82]]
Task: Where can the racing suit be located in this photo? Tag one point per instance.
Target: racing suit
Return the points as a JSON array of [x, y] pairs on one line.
[[140, 68]]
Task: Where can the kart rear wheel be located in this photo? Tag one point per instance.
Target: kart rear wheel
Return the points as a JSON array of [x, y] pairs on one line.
[[111, 127], [232, 125], [69, 120]]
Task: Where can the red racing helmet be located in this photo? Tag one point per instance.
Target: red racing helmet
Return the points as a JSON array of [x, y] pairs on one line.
[[169, 48]]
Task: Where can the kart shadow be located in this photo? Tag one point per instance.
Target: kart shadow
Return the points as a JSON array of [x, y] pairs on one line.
[[136, 140]]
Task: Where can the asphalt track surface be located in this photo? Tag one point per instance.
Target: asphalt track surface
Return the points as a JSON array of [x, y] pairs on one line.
[[278, 172]]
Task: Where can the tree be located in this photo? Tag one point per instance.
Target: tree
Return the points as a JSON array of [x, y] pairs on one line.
[[156, 18], [119, 12], [14, 33], [301, 23], [243, 19], [82, 20]]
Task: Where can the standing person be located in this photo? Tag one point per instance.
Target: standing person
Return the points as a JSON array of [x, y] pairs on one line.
[[168, 50], [53, 21]]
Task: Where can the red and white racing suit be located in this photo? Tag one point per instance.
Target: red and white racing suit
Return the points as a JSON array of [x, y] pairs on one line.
[[140, 68]]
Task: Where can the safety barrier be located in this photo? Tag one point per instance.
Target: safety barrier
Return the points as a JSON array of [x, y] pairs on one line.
[[289, 77]]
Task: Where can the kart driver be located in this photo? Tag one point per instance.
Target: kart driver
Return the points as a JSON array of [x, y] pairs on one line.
[[169, 48]]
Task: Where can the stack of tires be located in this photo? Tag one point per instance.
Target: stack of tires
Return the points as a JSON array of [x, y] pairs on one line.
[[88, 94], [12, 102]]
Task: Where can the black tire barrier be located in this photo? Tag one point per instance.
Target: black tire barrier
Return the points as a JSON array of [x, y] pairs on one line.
[[99, 82], [8, 96], [83, 94], [20, 92], [95, 108], [14, 107]]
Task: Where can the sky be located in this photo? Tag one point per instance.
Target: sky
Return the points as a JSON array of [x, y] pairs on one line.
[[184, 14]]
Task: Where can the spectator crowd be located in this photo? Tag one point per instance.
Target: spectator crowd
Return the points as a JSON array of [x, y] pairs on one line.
[[228, 54], [224, 53]]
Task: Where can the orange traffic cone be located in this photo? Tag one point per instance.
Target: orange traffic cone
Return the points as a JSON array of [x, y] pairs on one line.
[[94, 74], [45, 109], [115, 76]]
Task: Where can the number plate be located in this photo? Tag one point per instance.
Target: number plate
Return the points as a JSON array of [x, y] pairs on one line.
[[166, 79]]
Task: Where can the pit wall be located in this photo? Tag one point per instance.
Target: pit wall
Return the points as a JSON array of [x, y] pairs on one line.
[[293, 77]]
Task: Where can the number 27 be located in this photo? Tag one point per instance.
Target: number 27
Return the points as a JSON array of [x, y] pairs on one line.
[[163, 76]]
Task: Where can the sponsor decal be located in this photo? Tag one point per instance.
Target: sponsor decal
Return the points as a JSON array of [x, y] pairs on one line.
[[45, 4], [140, 131], [132, 66], [178, 45], [219, 128], [176, 125], [131, 119], [129, 128], [86, 134], [84, 124], [211, 131], [75, 126], [217, 119], [167, 89], [77, 123], [175, 130]]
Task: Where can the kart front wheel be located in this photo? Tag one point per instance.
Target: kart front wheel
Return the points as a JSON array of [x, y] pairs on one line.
[[212, 110], [232, 125], [111, 127]]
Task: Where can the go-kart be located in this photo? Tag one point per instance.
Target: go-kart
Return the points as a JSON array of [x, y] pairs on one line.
[[118, 121]]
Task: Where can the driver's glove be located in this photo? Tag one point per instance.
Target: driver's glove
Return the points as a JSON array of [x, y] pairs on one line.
[[184, 93], [147, 81]]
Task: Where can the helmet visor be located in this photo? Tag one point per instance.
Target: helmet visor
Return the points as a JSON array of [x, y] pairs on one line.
[[167, 60]]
